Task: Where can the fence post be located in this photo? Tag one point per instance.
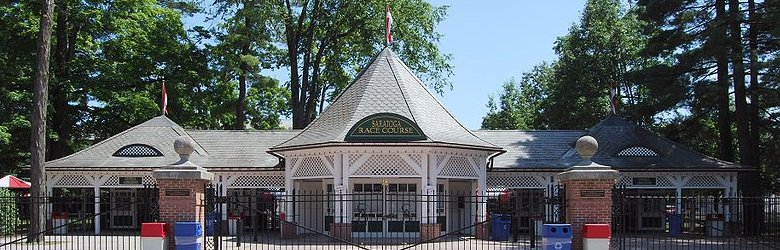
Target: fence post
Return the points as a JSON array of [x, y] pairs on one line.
[[181, 188], [588, 188]]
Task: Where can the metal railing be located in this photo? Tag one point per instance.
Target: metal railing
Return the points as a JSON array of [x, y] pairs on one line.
[[79, 222], [381, 217], [644, 221]]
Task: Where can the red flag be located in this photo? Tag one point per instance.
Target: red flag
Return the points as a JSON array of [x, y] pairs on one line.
[[613, 98], [388, 24], [164, 99]]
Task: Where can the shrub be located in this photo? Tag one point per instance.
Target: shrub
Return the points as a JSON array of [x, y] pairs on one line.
[[9, 213]]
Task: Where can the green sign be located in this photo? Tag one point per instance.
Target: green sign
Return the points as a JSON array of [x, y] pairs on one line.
[[385, 127]]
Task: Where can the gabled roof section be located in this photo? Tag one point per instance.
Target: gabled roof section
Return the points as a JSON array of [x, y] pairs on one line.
[[240, 148], [537, 149], [158, 133], [616, 134], [386, 85]]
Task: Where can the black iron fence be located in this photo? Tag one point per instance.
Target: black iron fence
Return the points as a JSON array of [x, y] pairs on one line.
[[390, 216], [697, 222], [78, 221]]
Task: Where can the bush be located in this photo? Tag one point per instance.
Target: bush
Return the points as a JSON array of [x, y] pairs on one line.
[[9, 213]]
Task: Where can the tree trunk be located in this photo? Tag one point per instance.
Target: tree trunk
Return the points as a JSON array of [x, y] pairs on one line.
[[61, 122], [740, 101], [38, 140], [752, 90], [244, 70], [292, 31], [750, 181], [725, 146]]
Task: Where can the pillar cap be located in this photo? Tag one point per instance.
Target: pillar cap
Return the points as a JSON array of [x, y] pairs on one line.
[[184, 168], [587, 169]]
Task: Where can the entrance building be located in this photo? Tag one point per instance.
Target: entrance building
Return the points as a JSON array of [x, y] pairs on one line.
[[383, 145]]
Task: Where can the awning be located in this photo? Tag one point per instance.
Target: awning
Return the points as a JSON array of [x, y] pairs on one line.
[[10, 181]]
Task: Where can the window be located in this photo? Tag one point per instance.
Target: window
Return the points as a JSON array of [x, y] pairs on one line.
[[137, 150], [637, 152]]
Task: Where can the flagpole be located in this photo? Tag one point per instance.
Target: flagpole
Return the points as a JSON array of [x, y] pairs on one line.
[[388, 25], [164, 99]]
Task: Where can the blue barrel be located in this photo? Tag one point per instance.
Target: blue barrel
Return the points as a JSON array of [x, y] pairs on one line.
[[501, 224], [675, 224], [188, 236], [556, 236]]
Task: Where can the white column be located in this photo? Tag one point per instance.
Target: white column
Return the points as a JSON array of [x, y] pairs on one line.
[[338, 189], [425, 189], [96, 219], [223, 191], [481, 190], [49, 193], [288, 188], [347, 205], [678, 200]]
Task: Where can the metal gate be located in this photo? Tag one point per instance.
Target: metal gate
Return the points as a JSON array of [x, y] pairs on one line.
[[389, 219], [72, 220], [645, 219]]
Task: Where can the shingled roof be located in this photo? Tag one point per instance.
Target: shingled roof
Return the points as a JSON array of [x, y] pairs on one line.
[[626, 146], [387, 85], [215, 148], [622, 145], [536, 149], [157, 133]]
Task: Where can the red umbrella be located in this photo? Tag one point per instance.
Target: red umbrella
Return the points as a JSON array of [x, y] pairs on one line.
[[10, 181]]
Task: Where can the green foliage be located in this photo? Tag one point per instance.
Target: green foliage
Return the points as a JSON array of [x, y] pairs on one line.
[[9, 214], [520, 104]]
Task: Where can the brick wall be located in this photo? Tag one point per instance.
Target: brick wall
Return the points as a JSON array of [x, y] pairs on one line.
[[587, 202], [175, 207]]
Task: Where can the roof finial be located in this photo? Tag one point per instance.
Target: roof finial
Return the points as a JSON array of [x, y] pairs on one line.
[[586, 147]]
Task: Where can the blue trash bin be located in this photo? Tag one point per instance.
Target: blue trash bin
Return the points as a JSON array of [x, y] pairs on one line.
[[675, 224], [501, 224], [556, 236], [188, 236]]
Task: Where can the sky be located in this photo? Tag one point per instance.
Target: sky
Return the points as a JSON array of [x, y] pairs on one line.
[[490, 42], [493, 41]]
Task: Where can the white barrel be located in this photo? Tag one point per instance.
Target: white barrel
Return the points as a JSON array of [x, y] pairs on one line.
[[154, 243]]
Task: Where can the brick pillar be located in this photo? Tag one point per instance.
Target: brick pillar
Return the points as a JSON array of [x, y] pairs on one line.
[[182, 189], [341, 231], [429, 231], [482, 232], [588, 191]]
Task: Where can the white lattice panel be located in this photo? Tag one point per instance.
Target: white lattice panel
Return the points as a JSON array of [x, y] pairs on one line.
[[458, 166], [271, 180], [312, 166], [439, 159], [625, 181], [112, 181], [703, 181], [73, 181], [293, 161], [353, 158], [386, 165], [417, 159], [330, 160], [513, 180], [662, 181]]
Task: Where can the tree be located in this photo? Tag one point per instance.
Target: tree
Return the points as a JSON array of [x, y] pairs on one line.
[[323, 49], [38, 146], [521, 104], [244, 47], [19, 28]]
